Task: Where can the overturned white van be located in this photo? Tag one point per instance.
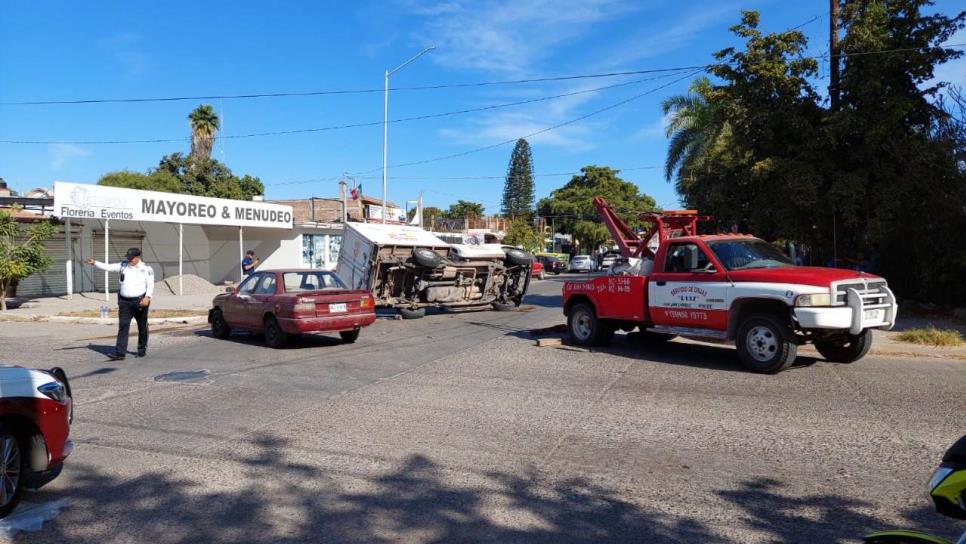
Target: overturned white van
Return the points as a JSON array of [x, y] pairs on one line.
[[410, 269]]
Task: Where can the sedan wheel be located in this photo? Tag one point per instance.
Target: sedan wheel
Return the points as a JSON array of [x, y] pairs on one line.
[[11, 468]]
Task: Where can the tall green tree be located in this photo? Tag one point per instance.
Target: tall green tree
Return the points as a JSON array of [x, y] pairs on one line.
[[177, 173], [22, 251], [204, 123], [694, 127], [518, 190], [521, 233], [572, 205], [464, 209]]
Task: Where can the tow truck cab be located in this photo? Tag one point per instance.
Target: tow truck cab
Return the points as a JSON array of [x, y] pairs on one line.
[[728, 288]]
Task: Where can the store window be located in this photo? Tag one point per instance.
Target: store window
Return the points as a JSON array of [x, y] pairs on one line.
[[321, 250]]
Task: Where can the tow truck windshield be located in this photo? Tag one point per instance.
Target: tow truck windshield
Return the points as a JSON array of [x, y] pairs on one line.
[[747, 254]]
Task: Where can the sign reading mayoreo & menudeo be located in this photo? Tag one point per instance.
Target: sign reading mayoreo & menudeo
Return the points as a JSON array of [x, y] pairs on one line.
[[77, 200]]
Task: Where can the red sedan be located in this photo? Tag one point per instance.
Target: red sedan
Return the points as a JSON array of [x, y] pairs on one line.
[[285, 303]]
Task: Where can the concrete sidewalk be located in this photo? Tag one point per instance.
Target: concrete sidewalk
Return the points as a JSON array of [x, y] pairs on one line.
[[187, 308]]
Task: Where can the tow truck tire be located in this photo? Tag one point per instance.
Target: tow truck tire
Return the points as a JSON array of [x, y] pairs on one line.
[[426, 258], [764, 344], [350, 337], [847, 349], [409, 313], [518, 257], [275, 337], [14, 468], [219, 327], [586, 329]]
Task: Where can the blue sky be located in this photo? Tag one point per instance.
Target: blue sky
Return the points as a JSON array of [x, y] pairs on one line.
[[74, 50]]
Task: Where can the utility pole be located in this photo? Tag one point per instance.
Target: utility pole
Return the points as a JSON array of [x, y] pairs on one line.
[[833, 52], [342, 196]]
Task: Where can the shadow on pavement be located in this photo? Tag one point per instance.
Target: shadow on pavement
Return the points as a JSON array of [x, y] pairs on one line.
[[267, 498], [547, 301], [280, 501]]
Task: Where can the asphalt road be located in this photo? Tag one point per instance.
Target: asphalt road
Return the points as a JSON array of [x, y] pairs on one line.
[[457, 428]]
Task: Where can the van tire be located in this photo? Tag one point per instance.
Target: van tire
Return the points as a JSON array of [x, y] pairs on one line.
[[847, 349], [518, 257], [408, 313], [426, 258], [765, 344]]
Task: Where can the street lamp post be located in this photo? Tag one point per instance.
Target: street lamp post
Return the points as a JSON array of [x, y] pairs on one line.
[[385, 124]]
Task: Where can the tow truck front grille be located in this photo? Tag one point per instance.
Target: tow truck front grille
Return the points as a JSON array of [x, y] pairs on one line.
[[873, 292]]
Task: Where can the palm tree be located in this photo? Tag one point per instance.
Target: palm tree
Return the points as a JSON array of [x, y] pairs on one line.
[[204, 125], [693, 127]]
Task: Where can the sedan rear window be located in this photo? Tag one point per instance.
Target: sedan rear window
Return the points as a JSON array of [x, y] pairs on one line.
[[298, 282]]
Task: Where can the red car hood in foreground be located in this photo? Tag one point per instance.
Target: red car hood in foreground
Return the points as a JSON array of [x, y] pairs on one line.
[[802, 275]]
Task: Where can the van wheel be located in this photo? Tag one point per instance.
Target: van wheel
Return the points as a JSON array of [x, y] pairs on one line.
[[350, 336], [426, 258], [586, 329], [12, 467], [408, 313], [219, 327], [275, 337], [518, 257], [764, 344], [504, 307], [845, 349]]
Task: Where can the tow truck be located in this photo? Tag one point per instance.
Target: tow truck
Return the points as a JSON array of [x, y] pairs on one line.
[[725, 288]]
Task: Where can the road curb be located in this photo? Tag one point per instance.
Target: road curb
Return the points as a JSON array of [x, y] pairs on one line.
[[189, 320]]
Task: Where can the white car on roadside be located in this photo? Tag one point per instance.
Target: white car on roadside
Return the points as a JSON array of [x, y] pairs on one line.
[[582, 263]]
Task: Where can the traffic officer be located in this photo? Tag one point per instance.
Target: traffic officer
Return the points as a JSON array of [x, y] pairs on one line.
[[133, 300]]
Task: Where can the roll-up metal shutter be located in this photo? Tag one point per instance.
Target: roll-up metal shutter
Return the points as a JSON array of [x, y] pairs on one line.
[[53, 282], [118, 244]]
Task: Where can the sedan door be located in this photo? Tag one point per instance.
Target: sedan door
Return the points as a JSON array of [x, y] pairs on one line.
[[262, 301], [236, 305]]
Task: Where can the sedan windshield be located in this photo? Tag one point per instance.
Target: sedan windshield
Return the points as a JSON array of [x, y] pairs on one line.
[[746, 254], [298, 282]]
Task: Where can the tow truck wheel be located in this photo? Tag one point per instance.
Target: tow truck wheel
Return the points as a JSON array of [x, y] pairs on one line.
[[585, 329], [846, 349], [219, 327], [764, 344], [12, 466], [275, 337], [408, 313]]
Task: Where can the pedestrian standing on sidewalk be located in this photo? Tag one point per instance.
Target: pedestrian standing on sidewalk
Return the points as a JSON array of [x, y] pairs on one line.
[[133, 300], [249, 262]]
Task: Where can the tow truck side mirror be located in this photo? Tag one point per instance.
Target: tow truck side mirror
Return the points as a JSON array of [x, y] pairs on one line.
[[690, 257]]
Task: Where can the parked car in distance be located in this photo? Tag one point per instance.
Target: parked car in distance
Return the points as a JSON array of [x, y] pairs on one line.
[[537, 270], [552, 265], [609, 259], [582, 263], [286, 303], [36, 410]]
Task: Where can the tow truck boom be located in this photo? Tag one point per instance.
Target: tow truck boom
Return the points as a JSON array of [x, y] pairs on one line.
[[664, 225]]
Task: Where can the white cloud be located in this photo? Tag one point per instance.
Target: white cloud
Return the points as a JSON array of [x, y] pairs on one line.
[[124, 50], [653, 130], [651, 43], [507, 36], [510, 126], [61, 154]]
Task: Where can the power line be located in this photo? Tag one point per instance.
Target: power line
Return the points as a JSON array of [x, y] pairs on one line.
[[346, 91], [452, 178], [538, 132], [346, 126], [420, 87]]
